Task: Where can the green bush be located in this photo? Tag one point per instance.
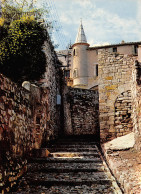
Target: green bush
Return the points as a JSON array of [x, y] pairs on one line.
[[21, 50]]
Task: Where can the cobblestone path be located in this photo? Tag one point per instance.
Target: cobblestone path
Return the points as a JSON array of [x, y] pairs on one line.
[[75, 167]]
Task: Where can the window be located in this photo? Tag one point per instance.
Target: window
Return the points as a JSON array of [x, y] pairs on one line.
[[96, 69], [135, 49], [58, 99], [115, 49], [67, 73], [75, 52], [75, 73]]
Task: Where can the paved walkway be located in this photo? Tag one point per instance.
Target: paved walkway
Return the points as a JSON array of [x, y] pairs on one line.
[[74, 167]]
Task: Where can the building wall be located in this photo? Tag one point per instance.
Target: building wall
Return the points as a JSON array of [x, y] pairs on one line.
[[114, 81], [91, 54], [52, 80], [81, 112], [17, 129], [128, 49], [62, 56], [28, 119], [92, 61], [80, 65]]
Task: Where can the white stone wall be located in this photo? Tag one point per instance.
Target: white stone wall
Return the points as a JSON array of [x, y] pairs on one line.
[[80, 64]]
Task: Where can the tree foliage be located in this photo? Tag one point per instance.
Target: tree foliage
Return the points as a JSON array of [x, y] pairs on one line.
[[14, 9], [21, 48]]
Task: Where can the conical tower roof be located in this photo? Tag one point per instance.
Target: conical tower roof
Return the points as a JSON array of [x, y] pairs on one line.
[[81, 38]]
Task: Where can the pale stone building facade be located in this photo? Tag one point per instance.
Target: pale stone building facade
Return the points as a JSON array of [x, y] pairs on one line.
[[107, 69], [81, 60]]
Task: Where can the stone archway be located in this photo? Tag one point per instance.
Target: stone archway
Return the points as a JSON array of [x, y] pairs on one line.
[[123, 111]]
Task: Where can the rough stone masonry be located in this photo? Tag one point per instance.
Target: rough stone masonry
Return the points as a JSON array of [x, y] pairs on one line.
[[115, 71], [28, 118], [136, 101], [81, 108]]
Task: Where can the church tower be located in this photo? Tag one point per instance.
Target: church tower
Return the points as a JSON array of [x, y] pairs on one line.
[[80, 67]]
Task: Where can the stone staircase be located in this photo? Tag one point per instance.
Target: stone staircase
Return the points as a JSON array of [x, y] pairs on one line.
[[75, 166]]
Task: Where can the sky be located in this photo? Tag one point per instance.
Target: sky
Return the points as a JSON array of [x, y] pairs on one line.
[[104, 21]]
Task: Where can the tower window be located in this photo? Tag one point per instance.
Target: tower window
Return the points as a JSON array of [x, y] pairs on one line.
[[74, 52], [115, 49], [75, 73]]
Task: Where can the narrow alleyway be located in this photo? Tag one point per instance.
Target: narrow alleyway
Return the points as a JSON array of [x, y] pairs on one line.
[[73, 167]]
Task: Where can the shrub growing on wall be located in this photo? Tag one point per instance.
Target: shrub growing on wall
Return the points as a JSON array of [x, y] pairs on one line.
[[3, 30], [21, 53]]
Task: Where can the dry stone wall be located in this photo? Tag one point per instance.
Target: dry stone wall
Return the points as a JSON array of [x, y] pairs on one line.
[[22, 127], [28, 119], [136, 103], [115, 72], [53, 80], [16, 130], [123, 111], [83, 112]]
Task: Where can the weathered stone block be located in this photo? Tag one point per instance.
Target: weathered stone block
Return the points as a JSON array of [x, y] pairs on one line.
[[111, 87], [109, 78]]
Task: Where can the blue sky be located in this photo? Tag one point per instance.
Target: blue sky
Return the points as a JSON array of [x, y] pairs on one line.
[[104, 21]]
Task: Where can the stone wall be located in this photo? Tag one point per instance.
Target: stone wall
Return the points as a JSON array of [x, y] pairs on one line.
[[123, 110], [53, 80], [82, 112], [115, 72], [25, 119], [17, 135], [28, 119], [136, 93]]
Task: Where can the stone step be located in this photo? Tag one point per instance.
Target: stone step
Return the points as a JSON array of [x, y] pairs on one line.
[[73, 168], [61, 189], [63, 149], [66, 143], [81, 154], [71, 146], [65, 160], [83, 189], [56, 153], [85, 138], [45, 182], [65, 167], [71, 178], [65, 170]]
